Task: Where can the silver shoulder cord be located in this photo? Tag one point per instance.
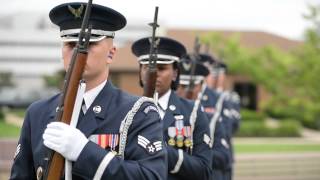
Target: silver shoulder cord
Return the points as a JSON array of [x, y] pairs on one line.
[[127, 121], [193, 115], [74, 122], [215, 117]]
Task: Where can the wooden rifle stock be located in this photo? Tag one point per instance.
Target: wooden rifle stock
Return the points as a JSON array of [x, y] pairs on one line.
[[55, 169], [150, 86]]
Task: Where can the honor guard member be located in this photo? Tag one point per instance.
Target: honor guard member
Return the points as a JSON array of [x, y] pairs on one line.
[[119, 136], [229, 112], [221, 154], [185, 127], [232, 112], [232, 97]]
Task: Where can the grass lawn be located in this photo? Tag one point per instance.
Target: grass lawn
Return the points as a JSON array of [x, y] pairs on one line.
[[8, 130], [269, 148]]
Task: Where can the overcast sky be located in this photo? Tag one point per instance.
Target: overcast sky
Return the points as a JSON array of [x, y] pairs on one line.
[[282, 17]]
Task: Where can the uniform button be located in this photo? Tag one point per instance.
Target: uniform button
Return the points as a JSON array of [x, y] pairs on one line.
[[205, 97]]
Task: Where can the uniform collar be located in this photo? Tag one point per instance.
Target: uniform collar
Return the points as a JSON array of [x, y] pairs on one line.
[[174, 106], [102, 103], [219, 90], [100, 106], [91, 95], [107, 91], [164, 100]]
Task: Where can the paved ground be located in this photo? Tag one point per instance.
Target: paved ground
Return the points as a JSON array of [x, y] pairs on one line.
[[278, 166], [311, 134]]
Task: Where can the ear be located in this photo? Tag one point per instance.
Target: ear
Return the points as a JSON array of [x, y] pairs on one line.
[[111, 54]]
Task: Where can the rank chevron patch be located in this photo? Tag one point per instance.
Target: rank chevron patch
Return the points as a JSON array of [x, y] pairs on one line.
[[150, 147]]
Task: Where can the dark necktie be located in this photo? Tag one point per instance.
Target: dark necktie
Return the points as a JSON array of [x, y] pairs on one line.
[[161, 108], [82, 113]]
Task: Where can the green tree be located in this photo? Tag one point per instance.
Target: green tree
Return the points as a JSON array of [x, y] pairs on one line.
[[55, 80], [6, 79], [290, 76]]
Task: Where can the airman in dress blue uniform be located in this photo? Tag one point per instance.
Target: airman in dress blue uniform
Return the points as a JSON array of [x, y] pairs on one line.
[[222, 160], [185, 126], [230, 112], [118, 136], [221, 153], [232, 98]]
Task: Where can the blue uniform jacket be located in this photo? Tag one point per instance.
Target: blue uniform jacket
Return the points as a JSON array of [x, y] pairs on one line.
[[138, 162], [221, 149], [232, 121], [233, 100], [197, 165]]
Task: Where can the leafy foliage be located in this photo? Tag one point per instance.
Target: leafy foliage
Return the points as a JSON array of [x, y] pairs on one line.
[[291, 77], [6, 79], [286, 128], [1, 115], [55, 80]]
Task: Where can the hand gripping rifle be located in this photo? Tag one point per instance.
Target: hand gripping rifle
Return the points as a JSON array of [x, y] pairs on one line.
[[150, 86], [193, 57], [55, 161]]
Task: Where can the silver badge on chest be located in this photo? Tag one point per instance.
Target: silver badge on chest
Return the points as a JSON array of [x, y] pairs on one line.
[[172, 107], [97, 109]]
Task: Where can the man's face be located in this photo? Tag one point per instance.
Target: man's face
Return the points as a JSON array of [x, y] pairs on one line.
[[182, 91], [220, 81], [165, 75], [97, 60], [211, 81]]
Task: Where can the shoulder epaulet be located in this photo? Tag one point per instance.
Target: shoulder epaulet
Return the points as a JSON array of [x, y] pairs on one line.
[[127, 121]]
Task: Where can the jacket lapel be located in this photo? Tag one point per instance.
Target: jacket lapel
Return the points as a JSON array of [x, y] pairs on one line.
[[172, 110], [97, 112], [54, 108]]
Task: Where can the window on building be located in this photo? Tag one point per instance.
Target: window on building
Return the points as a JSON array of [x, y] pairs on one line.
[[248, 94]]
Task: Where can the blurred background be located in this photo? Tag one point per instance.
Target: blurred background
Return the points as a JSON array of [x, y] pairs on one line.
[[271, 47]]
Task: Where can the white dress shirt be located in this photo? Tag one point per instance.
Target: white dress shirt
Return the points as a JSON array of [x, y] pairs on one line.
[[163, 103]]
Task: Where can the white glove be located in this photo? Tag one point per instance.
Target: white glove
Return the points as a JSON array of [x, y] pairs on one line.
[[64, 139]]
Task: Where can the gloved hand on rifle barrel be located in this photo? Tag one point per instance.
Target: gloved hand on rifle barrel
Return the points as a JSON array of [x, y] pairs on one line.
[[64, 139]]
